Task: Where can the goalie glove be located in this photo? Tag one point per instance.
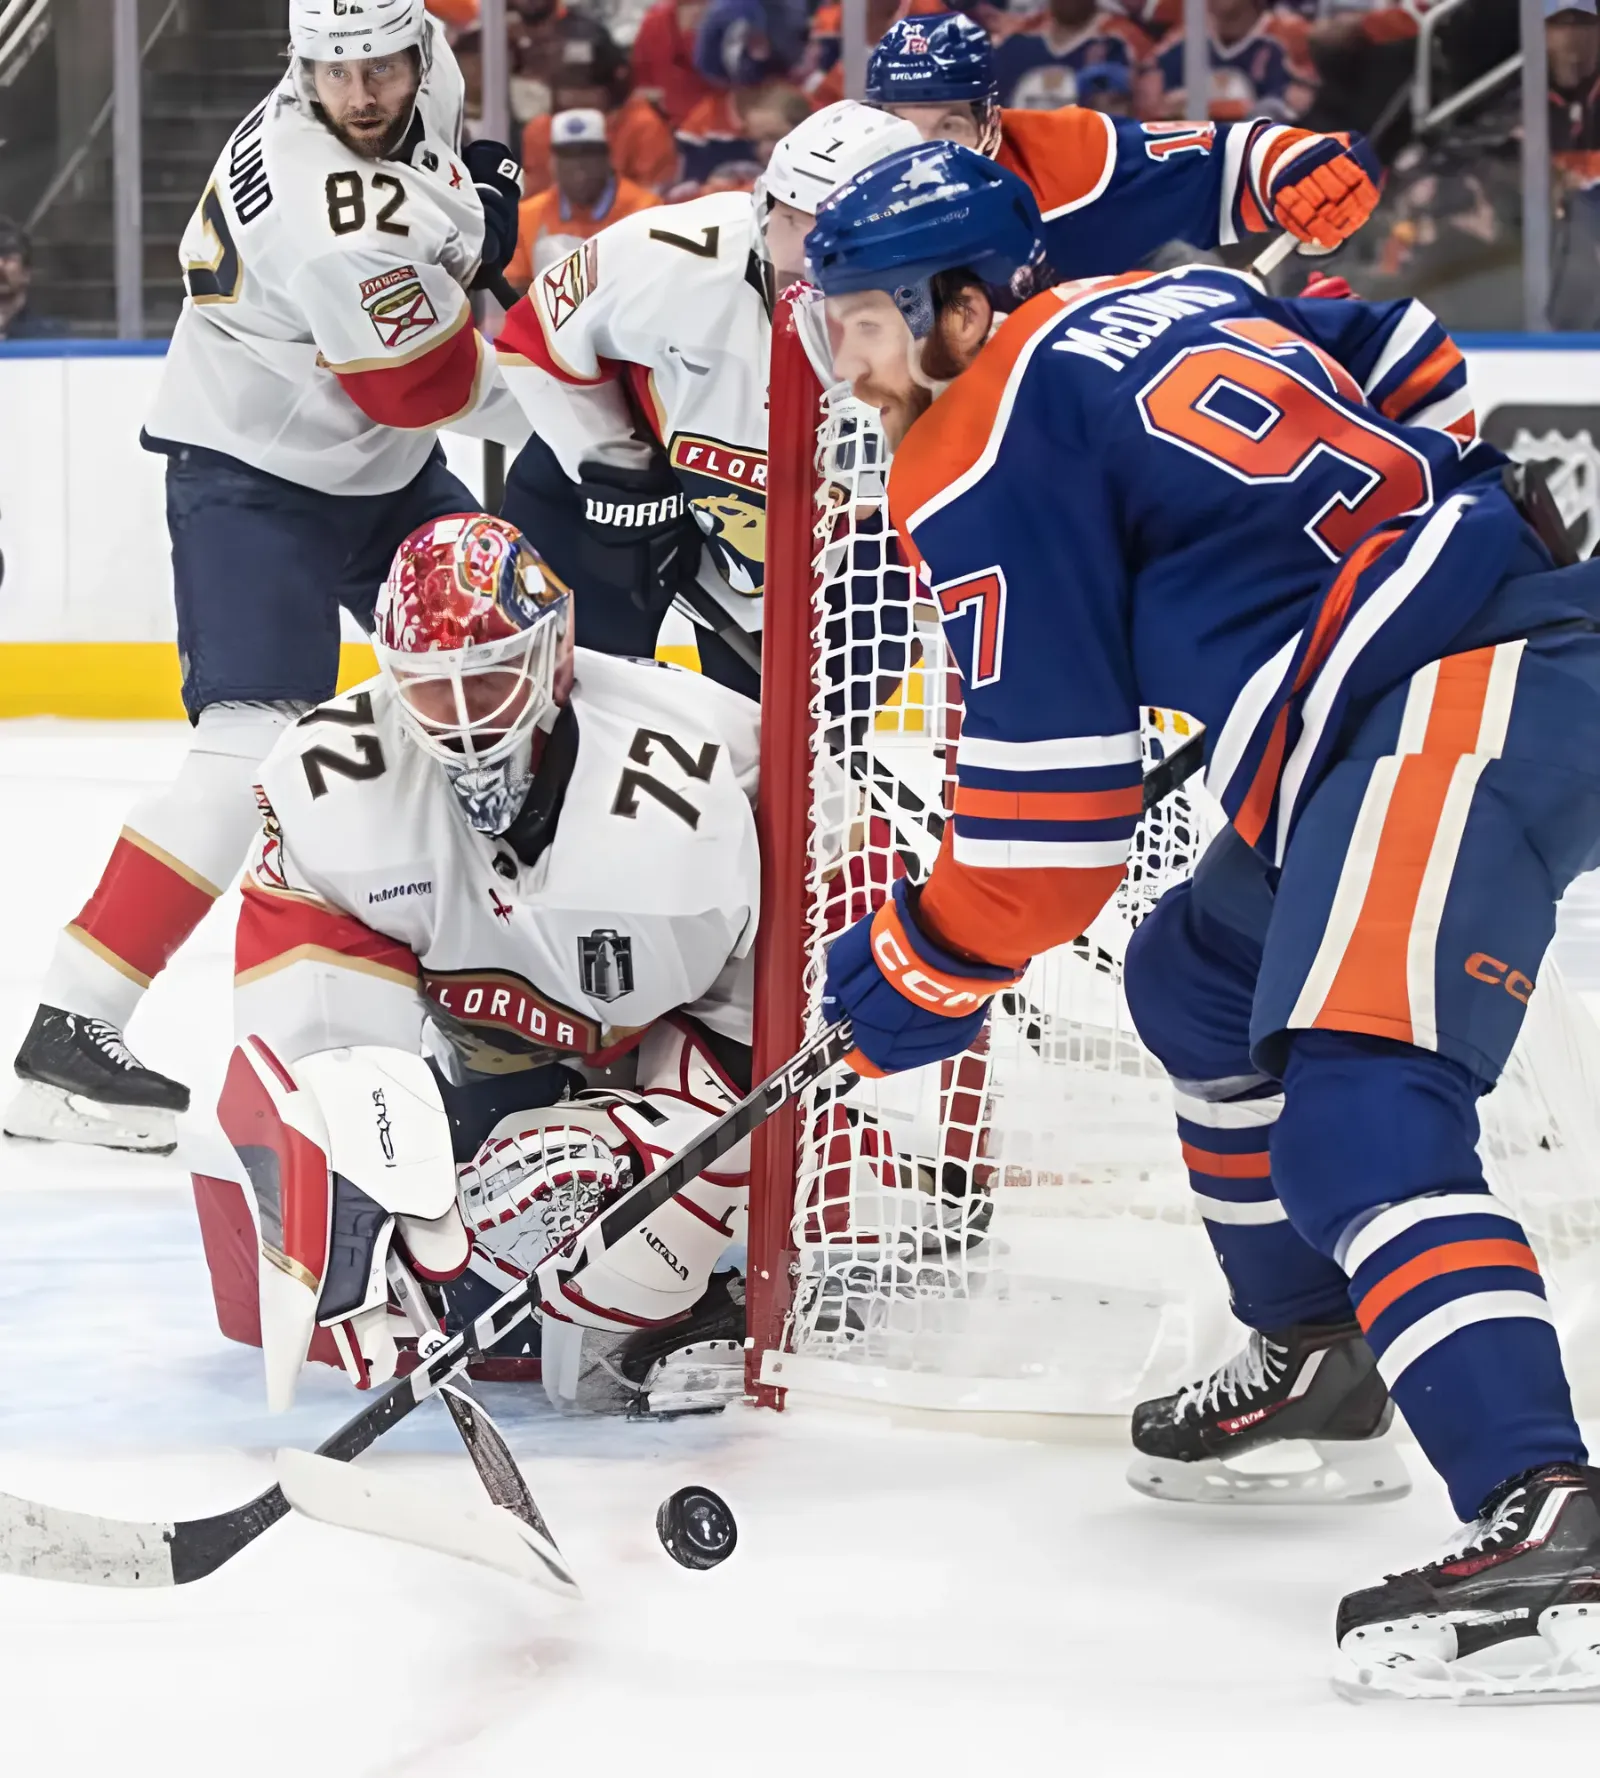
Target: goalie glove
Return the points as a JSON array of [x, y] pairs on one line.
[[538, 1178], [606, 1300]]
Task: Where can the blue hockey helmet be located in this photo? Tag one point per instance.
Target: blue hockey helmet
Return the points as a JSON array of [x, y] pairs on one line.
[[938, 60], [937, 207]]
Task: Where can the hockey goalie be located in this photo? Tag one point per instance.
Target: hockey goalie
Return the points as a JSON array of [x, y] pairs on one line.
[[491, 885]]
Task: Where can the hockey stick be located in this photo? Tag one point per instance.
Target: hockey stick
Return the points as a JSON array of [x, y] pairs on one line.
[[53, 1544]]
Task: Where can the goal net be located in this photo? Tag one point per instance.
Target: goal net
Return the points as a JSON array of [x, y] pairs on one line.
[[1012, 1231]]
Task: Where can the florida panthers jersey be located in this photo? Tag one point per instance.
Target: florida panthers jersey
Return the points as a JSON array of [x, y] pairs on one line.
[[1111, 191], [661, 321], [1173, 490], [327, 333], [372, 904]]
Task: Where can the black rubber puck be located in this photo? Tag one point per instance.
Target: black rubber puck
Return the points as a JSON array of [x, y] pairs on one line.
[[696, 1528]]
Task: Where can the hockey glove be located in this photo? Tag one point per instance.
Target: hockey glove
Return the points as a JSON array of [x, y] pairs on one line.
[[497, 179], [910, 1001], [1323, 191], [640, 518]]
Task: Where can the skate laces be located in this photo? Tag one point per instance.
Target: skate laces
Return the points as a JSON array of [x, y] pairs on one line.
[[1247, 1373], [109, 1041]]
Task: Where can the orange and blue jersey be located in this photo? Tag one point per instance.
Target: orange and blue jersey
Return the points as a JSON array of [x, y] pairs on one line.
[[1174, 490], [1111, 191], [1038, 71], [1265, 72]]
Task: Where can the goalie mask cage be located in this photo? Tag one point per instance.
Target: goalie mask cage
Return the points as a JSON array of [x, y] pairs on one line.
[[1012, 1231]]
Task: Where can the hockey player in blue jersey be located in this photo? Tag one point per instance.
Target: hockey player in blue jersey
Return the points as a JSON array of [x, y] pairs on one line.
[[1170, 489], [1111, 191]]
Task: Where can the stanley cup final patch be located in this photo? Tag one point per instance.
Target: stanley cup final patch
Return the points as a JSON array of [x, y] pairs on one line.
[[398, 306], [605, 959]]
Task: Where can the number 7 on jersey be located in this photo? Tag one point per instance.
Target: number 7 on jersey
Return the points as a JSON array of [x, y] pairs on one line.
[[983, 598]]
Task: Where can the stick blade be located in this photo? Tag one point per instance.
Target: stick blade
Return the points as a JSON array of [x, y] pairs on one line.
[[384, 1506], [49, 1543]]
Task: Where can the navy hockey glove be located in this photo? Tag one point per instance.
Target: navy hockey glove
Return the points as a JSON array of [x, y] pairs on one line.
[[645, 528], [910, 1001], [497, 179]]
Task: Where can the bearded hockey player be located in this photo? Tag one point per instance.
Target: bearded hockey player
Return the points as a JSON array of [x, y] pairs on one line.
[[1110, 190], [538, 863], [326, 338], [1169, 489], [642, 361]]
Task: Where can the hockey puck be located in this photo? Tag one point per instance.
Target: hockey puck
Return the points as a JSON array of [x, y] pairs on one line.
[[696, 1528]]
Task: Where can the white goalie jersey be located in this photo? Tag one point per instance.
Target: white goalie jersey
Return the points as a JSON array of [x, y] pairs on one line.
[[660, 323], [327, 333], [629, 888]]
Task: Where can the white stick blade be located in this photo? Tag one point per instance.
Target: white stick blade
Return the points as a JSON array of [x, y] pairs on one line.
[[362, 1499], [47, 1543]]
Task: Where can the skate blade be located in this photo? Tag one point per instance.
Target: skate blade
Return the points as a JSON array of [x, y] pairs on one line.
[[41, 1113], [1559, 1664], [1335, 1473], [698, 1379]]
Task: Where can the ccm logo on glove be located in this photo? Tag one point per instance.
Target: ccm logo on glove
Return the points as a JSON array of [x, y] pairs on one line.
[[941, 991], [951, 995]]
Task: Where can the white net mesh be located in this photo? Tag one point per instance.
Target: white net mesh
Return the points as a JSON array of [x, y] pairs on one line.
[[1013, 1231]]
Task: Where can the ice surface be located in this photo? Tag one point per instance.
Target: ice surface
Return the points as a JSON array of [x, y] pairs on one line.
[[903, 1602]]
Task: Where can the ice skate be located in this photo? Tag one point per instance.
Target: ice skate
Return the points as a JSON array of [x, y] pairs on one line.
[[1297, 1418], [695, 1366], [1511, 1611], [79, 1082]]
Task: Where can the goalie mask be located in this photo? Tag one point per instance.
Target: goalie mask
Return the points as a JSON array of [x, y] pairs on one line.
[[474, 631]]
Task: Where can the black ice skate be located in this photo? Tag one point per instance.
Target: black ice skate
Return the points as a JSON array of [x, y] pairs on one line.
[[1511, 1611], [81, 1083], [693, 1366], [1297, 1418]]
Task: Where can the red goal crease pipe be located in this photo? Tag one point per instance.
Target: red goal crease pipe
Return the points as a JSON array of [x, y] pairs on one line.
[[782, 821]]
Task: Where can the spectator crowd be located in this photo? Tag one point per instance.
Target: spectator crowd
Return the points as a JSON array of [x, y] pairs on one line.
[[623, 103]]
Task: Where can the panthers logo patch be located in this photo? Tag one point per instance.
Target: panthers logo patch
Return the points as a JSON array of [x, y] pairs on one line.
[[727, 487]]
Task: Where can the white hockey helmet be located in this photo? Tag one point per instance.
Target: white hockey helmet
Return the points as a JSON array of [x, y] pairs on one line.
[[829, 147], [354, 30]]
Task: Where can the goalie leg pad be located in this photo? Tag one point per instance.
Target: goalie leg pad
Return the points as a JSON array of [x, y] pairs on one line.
[[281, 1138]]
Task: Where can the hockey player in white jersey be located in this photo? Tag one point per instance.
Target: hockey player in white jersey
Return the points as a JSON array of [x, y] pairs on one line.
[[326, 338], [538, 864], [642, 361]]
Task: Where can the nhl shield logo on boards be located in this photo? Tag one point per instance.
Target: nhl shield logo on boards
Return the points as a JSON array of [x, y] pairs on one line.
[[605, 961]]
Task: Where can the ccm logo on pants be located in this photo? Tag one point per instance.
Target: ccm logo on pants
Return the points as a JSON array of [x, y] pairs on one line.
[[1484, 968]]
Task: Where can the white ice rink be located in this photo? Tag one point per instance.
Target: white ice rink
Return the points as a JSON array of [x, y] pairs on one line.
[[902, 1604]]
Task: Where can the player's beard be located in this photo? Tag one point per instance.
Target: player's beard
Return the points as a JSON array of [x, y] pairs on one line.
[[898, 409], [372, 143]]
